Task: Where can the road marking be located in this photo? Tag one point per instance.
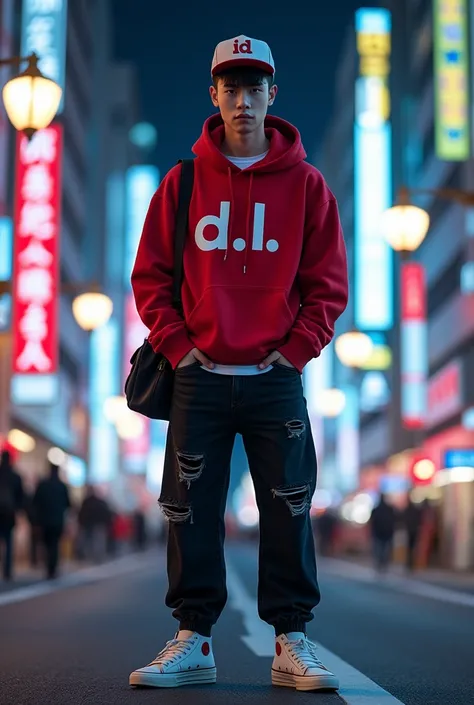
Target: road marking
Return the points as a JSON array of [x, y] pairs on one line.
[[356, 688], [83, 576], [409, 585]]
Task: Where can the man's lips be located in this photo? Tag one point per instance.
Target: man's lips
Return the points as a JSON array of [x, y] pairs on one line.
[[243, 117]]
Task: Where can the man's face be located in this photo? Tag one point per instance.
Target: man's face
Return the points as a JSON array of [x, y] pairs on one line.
[[243, 108]]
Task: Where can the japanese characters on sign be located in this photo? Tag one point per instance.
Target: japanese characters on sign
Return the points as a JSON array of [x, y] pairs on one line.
[[36, 258], [44, 32]]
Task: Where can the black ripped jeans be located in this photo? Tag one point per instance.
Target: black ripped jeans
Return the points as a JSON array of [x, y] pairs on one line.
[[269, 410]]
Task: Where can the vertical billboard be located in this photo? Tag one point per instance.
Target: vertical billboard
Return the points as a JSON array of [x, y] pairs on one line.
[[103, 447], [372, 172], [37, 224], [43, 31], [141, 183], [6, 49], [451, 72], [414, 345]]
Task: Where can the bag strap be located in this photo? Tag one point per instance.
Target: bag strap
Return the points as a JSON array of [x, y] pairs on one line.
[[182, 218]]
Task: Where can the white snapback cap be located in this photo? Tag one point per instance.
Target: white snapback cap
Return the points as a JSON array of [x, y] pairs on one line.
[[242, 51]]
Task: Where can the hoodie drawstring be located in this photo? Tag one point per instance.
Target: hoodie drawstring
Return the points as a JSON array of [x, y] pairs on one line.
[[248, 219], [249, 216]]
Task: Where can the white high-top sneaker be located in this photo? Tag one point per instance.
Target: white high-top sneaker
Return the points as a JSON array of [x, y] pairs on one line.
[[296, 666], [182, 662]]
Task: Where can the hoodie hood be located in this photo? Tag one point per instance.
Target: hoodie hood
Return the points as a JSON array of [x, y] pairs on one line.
[[285, 150]]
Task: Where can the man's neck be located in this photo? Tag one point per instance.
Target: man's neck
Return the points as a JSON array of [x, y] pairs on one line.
[[253, 145]]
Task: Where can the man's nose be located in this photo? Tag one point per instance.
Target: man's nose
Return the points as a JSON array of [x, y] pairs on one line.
[[243, 99]]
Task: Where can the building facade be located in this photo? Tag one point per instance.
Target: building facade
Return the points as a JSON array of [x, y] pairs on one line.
[[416, 401]]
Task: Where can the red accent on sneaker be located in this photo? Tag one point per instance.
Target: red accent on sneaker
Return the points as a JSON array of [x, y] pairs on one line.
[[278, 648], [205, 648]]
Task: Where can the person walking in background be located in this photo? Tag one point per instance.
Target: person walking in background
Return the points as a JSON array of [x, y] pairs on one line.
[[411, 519], [50, 504], [11, 502], [94, 520], [382, 523], [35, 535], [139, 530]]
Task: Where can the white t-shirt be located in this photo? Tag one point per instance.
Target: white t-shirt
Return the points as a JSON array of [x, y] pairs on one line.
[[244, 370]]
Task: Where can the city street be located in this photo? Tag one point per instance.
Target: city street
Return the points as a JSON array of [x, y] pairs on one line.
[[389, 640]]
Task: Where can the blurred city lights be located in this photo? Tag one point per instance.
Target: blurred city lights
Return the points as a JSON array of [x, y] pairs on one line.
[[129, 425], [354, 348], [143, 135], [423, 470], [330, 402], [21, 441], [248, 515], [115, 407], [56, 456]]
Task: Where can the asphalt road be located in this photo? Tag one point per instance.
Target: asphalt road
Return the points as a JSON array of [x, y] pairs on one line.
[[78, 643]]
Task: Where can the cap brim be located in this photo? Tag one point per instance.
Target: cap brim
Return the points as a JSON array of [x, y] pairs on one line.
[[235, 63]]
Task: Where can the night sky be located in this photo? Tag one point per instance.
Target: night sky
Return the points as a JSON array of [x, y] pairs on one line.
[[172, 45]]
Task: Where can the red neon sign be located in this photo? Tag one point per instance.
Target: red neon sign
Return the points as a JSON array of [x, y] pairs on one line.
[[36, 258]]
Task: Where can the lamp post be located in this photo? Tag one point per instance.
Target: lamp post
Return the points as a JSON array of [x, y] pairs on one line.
[[31, 99], [405, 226]]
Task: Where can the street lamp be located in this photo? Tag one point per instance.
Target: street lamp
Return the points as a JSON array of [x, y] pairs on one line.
[[330, 402], [354, 348], [405, 226], [31, 100], [92, 310]]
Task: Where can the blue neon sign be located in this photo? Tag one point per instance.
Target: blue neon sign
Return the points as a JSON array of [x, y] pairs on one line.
[[373, 257]]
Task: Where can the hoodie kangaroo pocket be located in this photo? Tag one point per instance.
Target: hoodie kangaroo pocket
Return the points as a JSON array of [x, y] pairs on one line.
[[237, 325]]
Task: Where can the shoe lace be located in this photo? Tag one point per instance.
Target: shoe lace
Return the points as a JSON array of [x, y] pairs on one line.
[[304, 653], [171, 652]]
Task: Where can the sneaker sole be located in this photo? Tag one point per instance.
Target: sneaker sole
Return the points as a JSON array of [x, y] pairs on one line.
[[173, 680], [290, 680]]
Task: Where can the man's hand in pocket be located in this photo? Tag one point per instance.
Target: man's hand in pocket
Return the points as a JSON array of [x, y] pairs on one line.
[[193, 356], [275, 356]]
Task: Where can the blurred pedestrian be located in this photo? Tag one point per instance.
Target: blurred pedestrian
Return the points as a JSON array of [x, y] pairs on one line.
[[35, 534], [139, 530], [11, 502], [265, 277], [94, 520], [411, 521], [326, 525], [50, 504], [382, 523]]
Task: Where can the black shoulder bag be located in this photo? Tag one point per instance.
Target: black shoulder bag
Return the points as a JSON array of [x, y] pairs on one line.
[[149, 385]]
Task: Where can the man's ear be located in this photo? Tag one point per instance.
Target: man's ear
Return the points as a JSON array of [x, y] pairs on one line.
[[272, 94], [213, 94]]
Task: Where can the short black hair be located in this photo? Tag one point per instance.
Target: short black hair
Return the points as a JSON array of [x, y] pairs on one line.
[[244, 76]]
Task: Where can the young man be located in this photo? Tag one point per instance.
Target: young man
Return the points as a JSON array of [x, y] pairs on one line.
[[265, 279]]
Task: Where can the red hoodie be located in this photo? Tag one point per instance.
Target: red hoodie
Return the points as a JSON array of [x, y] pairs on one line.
[[264, 263]]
